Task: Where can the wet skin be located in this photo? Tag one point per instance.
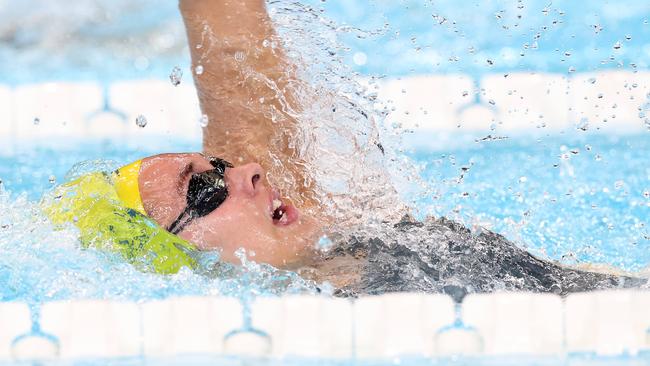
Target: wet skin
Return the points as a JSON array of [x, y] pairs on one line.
[[244, 220]]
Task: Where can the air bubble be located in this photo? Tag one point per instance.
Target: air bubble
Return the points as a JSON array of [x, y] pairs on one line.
[[198, 69], [141, 121], [176, 76], [204, 120]]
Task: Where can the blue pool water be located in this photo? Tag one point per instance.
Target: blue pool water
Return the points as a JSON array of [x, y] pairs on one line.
[[583, 199], [574, 197]]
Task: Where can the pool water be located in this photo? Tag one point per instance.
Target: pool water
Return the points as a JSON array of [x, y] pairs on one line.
[[579, 200]]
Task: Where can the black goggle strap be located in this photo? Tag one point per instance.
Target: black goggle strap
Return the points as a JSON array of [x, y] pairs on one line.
[[181, 221]]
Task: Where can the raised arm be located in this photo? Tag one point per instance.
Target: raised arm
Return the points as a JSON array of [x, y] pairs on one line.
[[242, 79]]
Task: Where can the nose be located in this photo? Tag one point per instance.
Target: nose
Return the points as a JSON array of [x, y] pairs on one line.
[[244, 179]]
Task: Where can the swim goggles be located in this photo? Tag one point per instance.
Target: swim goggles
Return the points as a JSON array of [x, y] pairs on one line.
[[205, 192]]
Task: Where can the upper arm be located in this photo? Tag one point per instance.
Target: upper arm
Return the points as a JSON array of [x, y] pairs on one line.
[[244, 87]]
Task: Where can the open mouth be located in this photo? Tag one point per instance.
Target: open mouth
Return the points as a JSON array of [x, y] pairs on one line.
[[282, 213]]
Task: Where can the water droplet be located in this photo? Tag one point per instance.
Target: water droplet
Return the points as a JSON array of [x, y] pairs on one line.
[[617, 45], [597, 28], [37, 121], [572, 69], [176, 76], [583, 124], [198, 69], [491, 101], [646, 193], [266, 43], [141, 121], [628, 37], [592, 80], [204, 120], [567, 53], [619, 184], [240, 56], [600, 95], [465, 93], [52, 180], [598, 157], [324, 243], [523, 179], [489, 62], [588, 147]]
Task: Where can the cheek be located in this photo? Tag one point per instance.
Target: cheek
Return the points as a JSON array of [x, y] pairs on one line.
[[230, 227]]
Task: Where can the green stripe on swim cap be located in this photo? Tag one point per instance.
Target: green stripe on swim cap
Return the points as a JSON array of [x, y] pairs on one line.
[[92, 204]]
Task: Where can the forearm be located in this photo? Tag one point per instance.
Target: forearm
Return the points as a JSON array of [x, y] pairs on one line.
[[242, 82]]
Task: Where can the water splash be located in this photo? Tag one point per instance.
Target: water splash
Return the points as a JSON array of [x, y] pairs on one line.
[[350, 154]]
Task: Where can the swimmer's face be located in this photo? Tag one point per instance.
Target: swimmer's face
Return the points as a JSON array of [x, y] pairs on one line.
[[244, 220]]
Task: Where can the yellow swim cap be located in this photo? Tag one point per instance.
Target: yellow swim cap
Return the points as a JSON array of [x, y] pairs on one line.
[[107, 210], [126, 184]]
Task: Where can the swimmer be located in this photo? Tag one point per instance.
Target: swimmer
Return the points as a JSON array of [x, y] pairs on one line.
[[222, 199]]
